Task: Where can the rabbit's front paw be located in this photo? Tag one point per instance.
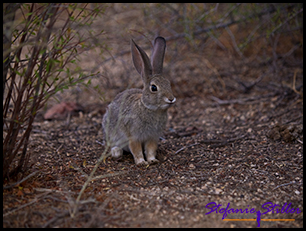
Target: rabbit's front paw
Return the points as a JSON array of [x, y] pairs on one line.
[[117, 153], [141, 162], [154, 161]]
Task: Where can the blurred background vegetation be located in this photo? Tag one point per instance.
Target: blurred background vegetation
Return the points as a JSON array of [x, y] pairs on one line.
[[207, 41], [81, 52]]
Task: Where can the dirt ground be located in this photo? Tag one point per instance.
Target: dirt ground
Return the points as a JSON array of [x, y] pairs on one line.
[[226, 142]]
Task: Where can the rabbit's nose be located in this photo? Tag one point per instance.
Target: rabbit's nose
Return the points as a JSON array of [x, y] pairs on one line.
[[170, 100]]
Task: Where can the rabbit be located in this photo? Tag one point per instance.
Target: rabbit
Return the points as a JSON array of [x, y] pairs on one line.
[[136, 118]]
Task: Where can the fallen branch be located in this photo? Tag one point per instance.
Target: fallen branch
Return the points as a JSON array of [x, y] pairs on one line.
[[108, 175], [220, 143], [89, 179], [292, 182], [247, 89], [20, 207], [53, 219], [19, 182], [53, 191], [225, 102], [183, 148]]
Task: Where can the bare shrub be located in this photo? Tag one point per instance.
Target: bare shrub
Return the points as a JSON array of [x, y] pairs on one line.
[[42, 43]]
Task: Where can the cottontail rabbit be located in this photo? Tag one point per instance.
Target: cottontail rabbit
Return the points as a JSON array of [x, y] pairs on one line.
[[136, 118]]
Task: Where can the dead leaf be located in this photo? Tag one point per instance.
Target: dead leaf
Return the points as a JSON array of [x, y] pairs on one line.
[[19, 193]]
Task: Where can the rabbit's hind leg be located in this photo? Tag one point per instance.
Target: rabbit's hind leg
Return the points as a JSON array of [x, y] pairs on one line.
[[117, 152]]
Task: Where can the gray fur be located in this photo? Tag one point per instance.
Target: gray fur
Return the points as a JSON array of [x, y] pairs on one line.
[[136, 118]]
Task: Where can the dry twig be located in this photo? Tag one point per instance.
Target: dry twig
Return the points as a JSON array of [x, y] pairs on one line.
[[19, 182], [281, 185]]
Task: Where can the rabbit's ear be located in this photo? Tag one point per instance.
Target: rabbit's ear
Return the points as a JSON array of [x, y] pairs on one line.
[[158, 54], [141, 61]]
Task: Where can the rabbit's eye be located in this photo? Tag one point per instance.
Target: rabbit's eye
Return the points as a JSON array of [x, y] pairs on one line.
[[153, 87]]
